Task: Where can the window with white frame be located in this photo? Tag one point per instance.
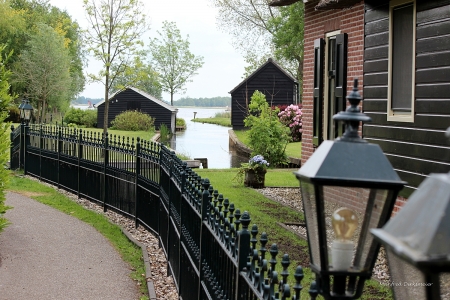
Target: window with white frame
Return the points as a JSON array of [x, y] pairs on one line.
[[402, 36]]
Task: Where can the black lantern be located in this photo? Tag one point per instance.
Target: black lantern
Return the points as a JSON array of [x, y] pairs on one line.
[[25, 109], [417, 242], [348, 186]]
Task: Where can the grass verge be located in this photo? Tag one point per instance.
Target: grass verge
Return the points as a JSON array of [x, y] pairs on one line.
[[129, 252], [218, 121]]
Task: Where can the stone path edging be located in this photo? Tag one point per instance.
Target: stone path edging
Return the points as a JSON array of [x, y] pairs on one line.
[[148, 270]]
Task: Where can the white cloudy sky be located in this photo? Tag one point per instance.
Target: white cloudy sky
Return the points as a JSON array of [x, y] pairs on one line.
[[223, 67]]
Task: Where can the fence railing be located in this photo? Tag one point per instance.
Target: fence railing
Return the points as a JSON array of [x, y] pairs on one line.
[[211, 252]]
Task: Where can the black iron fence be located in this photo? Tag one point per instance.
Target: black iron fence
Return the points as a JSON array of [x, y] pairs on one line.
[[211, 251]]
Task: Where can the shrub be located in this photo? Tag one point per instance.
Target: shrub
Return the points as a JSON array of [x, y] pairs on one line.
[[89, 119], [132, 120], [13, 114], [81, 117], [4, 173], [267, 135], [291, 116], [74, 116], [180, 122]]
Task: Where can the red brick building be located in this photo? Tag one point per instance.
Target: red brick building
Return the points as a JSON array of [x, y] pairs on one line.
[[400, 52], [333, 57]]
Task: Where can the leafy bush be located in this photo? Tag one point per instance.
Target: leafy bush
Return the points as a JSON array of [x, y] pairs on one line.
[[13, 114], [5, 142], [291, 116], [74, 115], [180, 122], [4, 173], [267, 135], [81, 117], [132, 120], [89, 118]]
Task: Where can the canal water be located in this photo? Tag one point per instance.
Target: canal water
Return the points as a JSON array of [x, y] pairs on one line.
[[201, 140]]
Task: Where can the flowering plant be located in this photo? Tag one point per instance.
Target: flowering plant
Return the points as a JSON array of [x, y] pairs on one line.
[[291, 116], [257, 164]]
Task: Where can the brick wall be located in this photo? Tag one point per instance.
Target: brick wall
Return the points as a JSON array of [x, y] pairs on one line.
[[317, 24]]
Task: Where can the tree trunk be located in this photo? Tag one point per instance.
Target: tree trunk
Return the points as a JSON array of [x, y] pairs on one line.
[[44, 108], [105, 120]]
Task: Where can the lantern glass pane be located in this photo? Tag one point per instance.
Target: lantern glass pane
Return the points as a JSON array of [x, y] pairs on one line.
[[406, 281], [27, 114], [367, 205], [310, 210], [376, 201]]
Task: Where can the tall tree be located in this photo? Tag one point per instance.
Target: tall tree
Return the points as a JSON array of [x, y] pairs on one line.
[[139, 75], [113, 37], [44, 69], [29, 13], [247, 22], [12, 26], [261, 31], [288, 37], [172, 59]]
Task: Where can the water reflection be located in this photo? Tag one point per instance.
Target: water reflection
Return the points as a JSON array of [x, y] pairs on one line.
[[201, 140]]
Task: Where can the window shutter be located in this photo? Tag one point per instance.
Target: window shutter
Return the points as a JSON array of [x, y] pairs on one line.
[[319, 47], [341, 78]]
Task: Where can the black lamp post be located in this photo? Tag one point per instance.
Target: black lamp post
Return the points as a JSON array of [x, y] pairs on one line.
[[25, 109], [341, 180], [417, 242]]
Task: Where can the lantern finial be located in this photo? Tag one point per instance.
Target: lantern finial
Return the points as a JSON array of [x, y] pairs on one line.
[[352, 116]]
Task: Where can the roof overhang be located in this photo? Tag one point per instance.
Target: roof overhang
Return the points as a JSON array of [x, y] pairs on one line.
[[335, 4]]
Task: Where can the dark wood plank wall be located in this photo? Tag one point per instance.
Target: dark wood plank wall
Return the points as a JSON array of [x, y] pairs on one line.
[[161, 114], [420, 148], [278, 88]]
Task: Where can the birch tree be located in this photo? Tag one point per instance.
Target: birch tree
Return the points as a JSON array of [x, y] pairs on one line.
[[114, 38]]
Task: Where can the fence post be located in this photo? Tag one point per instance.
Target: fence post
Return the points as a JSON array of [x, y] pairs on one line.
[[21, 151], [59, 142], [25, 142], [136, 183], [243, 245], [41, 143], [80, 155], [105, 163], [204, 213], [11, 146]]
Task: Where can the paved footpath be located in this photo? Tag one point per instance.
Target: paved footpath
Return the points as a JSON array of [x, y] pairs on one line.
[[46, 254]]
